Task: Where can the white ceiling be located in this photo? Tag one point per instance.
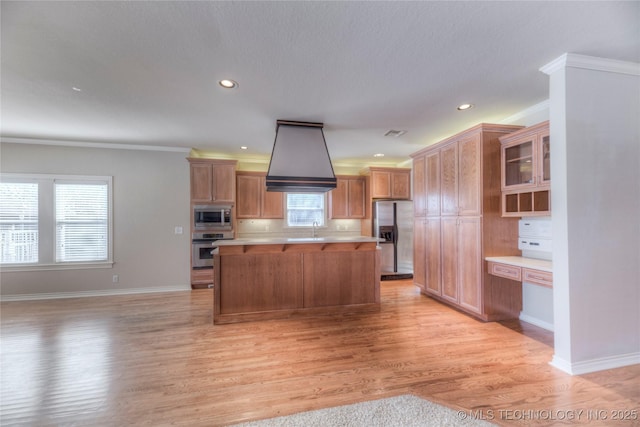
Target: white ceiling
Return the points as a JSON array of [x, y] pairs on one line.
[[148, 71]]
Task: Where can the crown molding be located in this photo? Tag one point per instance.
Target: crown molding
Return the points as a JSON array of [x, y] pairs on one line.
[[575, 60], [541, 106], [86, 144]]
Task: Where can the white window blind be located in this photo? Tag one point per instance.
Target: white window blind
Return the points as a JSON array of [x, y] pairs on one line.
[[305, 209], [18, 222], [82, 221]]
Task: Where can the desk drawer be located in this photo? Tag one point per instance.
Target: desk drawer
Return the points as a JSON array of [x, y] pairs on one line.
[[538, 277], [505, 270]]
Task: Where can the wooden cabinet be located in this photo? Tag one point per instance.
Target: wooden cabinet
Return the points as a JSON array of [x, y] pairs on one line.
[[268, 281], [213, 181], [458, 223], [347, 200], [526, 172], [390, 183], [460, 177], [427, 275], [252, 199]]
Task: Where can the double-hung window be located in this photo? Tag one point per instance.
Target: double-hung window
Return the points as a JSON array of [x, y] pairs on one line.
[[51, 221], [303, 210]]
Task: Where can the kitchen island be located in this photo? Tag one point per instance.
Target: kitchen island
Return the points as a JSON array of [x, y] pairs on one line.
[[270, 278]]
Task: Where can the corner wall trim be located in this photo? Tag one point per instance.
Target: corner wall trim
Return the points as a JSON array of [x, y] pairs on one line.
[[98, 293], [594, 365]]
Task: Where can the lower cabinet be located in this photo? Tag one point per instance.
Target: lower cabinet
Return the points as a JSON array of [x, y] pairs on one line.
[[448, 265], [461, 262]]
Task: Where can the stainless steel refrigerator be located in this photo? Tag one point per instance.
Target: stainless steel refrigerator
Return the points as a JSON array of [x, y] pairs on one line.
[[393, 224]]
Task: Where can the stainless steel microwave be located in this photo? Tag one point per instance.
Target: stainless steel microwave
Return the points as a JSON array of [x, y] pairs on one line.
[[212, 217]]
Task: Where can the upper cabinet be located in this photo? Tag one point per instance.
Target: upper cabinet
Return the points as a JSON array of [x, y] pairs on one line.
[[213, 181], [253, 201], [390, 183], [526, 172], [347, 200]]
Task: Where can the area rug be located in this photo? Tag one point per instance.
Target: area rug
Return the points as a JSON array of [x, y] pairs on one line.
[[400, 411]]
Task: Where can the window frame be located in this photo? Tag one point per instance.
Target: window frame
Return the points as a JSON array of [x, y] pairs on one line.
[[47, 222], [299, 227]]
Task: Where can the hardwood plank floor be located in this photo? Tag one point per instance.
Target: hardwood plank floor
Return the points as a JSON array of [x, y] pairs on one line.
[[157, 359]]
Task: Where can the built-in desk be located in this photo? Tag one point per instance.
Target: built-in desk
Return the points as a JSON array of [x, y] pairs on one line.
[[521, 269], [536, 276]]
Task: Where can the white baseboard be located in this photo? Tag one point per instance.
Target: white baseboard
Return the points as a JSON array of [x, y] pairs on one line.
[[98, 293], [535, 321], [594, 365]]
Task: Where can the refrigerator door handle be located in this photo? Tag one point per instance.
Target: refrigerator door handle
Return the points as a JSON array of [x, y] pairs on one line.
[[395, 233]]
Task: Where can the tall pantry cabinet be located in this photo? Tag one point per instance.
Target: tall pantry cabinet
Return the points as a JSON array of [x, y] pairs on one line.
[[457, 223]]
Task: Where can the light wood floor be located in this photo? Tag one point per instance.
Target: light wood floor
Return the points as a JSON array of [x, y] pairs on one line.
[[156, 359]]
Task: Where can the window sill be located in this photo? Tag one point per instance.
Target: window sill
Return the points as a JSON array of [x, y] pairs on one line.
[[7, 268]]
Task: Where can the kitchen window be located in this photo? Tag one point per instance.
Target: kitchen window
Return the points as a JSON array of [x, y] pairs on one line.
[[305, 209], [53, 221]]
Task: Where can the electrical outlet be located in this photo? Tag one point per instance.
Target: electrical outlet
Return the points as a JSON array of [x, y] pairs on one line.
[[177, 230], [115, 278]]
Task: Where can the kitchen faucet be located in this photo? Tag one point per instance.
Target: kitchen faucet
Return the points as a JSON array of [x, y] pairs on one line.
[[313, 232]]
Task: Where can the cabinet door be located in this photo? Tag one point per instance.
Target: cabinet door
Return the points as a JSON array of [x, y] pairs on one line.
[[449, 179], [224, 183], [433, 262], [450, 259], [419, 186], [469, 176], [249, 196], [356, 196], [272, 202], [339, 199], [201, 182], [518, 164], [470, 264], [380, 185], [432, 183], [400, 185], [544, 159], [420, 253]]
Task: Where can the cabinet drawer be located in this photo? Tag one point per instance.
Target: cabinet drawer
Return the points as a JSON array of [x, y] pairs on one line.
[[504, 270], [538, 277], [202, 276]]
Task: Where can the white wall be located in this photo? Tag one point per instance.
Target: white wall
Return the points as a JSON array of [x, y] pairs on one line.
[[150, 198], [594, 110]]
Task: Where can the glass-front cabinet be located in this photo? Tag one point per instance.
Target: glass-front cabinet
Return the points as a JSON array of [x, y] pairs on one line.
[[518, 164], [526, 171]]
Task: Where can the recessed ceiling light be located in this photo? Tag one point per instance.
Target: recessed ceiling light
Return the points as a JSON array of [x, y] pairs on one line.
[[228, 84], [244, 147], [463, 107], [378, 155], [77, 89]]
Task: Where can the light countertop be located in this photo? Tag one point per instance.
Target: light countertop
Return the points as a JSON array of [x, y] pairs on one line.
[[519, 261], [292, 240]]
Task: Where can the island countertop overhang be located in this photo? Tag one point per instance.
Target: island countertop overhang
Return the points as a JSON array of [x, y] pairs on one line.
[[294, 240]]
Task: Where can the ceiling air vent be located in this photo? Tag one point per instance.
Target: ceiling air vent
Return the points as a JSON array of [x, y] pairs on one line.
[[395, 133]]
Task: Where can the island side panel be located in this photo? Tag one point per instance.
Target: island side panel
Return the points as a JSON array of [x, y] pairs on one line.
[[333, 278], [260, 282]]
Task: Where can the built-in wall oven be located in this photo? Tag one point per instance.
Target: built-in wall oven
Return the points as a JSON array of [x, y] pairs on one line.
[[202, 245]]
